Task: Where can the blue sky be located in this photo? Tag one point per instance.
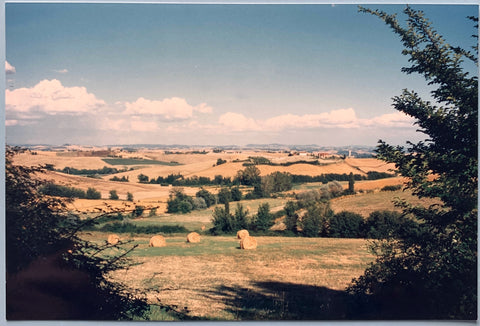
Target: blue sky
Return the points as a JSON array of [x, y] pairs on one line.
[[210, 74]]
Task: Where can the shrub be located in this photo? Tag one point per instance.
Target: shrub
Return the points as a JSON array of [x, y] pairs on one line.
[[264, 219], [92, 193], [138, 211], [129, 196], [113, 195], [207, 196], [391, 188], [52, 189], [313, 222], [345, 225]]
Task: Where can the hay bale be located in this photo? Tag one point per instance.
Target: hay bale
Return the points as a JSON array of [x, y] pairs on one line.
[[113, 239], [242, 234], [248, 243], [193, 237], [203, 227], [157, 241]]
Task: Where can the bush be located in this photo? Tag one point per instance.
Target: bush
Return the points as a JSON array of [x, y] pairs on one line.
[[389, 224], [345, 225], [51, 189], [264, 219], [391, 188], [138, 211], [129, 196], [313, 223], [92, 193], [207, 196], [113, 195]]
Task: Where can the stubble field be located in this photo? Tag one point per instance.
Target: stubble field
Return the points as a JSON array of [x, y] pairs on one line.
[[283, 278]]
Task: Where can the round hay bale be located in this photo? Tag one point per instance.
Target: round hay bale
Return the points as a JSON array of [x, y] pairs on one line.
[[203, 227], [157, 241], [242, 234], [193, 237], [248, 243], [113, 239]]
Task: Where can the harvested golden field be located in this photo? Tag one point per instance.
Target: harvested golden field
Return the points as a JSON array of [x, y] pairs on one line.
[[214, 279], [366, 203], [370, 164]]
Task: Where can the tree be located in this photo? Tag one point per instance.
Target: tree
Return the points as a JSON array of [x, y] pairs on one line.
[[351, 184], [207, 196], [240, 217], [437, 268], [314, 221], [236, 194], [345, 225], [113, 195], [263, 219], [291, 217], [129, 196], [92, 193], [47, 261]]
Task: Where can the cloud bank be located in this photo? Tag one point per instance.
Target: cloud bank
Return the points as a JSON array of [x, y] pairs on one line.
[[148, 120]]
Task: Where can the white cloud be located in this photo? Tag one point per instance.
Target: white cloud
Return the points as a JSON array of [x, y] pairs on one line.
[[397, 120], [238, 122], [138, 125], [62, 71], [174, 108], [9, 69], [51, 97], [343, 118]]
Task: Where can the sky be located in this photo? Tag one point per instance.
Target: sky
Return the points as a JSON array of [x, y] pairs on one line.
[[211, 74]]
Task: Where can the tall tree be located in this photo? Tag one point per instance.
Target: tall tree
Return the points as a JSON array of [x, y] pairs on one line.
[[433, 274]]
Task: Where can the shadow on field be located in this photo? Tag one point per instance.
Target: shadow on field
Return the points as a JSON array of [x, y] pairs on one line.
[[288, 301]]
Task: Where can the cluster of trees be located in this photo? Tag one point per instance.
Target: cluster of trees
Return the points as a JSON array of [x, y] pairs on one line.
[[179, 202], [103, 171], [225, 222], [47, 261], [122, 179], [52, 189], [250, 176]]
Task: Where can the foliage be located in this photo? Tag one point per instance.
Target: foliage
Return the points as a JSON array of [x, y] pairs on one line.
[[264, 219], [389, 224], [129, 196], [119, 227], [436, 269], [345, 225], [113, 195], [138, 211], [52, 189], [92, 193], [313, 222], [41, 239], [220, 161], [178, 201], [104, 171], [222, 221], [142, 178], [391, 188], [122, 179], [291, 217], [240, 218], [236, 194], [207, 196], [351, 184]]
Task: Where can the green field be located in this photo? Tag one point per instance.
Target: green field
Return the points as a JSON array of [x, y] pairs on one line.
[[135, 161]]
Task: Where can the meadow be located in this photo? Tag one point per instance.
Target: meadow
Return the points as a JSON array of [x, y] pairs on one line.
[[285, 277]]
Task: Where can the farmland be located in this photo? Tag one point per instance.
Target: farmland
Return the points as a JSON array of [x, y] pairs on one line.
[[285, 277]]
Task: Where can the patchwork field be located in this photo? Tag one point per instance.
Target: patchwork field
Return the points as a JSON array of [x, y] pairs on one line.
[[283, 278]]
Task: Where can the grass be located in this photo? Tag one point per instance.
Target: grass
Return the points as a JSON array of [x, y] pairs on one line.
[[366, 203], [134, 161], [284, 278]]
